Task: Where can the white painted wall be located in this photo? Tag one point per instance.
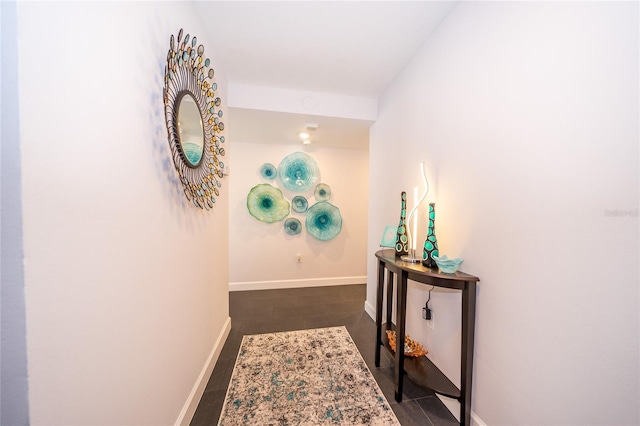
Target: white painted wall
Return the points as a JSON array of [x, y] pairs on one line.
[[263, 255], [14, 403], [527, 117], [126, 283]]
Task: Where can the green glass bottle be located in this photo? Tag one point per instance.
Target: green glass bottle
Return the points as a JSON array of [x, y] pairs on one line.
[[402, 239]]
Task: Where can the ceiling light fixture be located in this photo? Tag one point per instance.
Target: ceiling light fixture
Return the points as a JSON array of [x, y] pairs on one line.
[[305, 136]]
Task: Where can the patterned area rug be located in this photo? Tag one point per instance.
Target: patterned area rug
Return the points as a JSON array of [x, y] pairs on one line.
[[308, 377]]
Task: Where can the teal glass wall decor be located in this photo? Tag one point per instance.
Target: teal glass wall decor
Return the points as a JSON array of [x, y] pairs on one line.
[[299, 204], [430, 244], [268, 171], [322, 192], [292, 226], [192, 117], [323, 221], [298, 172], [402, 240], [267, 204]]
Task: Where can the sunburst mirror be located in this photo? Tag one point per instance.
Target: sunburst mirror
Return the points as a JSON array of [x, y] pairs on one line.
[[193, 117]]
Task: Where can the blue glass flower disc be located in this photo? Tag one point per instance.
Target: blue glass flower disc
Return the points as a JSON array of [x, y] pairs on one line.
[[292, 226], [268, 171], [299, 204], [322, 192], [323, 221], [298, 172]]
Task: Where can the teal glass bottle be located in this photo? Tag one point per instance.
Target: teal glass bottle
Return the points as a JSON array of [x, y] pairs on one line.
[[402, 239], [431, 243]]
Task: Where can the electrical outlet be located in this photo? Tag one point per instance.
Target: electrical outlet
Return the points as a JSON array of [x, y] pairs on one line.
[[430, 322], [299, 258]]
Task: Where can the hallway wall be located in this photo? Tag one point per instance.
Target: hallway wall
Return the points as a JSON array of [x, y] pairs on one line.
[[14, 389], [126, 282], [526, 114]]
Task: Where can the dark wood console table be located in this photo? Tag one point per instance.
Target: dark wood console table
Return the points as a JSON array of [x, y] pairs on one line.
[[421, 369]]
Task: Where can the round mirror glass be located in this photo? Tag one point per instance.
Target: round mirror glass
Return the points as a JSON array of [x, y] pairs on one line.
[[190, 130]]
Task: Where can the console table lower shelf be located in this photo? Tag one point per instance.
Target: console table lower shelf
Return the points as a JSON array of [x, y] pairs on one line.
[[424, 372]]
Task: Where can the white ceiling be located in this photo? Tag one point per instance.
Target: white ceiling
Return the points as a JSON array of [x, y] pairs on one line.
[[343, 47]]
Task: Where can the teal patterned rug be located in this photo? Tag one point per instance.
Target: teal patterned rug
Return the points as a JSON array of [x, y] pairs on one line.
[[307, 377]]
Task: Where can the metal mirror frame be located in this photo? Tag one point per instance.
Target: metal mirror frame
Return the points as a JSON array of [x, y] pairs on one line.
[[188, 71]]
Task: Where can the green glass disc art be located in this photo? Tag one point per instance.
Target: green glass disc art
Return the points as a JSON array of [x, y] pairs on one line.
[[267, 204], [323, 221], [299, 204], [322, 192], [298, 172], [292, 226]]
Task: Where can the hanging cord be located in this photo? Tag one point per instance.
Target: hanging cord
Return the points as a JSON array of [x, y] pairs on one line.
[[426, 311], [432, 287]]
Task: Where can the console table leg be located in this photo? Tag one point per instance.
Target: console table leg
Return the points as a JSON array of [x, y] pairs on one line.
[[401, 313], [468, 330], [379, 296], [389, 298]]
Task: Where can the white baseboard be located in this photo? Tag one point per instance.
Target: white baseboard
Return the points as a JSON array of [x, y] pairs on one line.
[[454, 407], [310, 282], [370, 309], [475, 420], [189, 408]]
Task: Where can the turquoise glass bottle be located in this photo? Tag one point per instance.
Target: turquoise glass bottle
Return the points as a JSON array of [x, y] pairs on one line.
[[431, 243]]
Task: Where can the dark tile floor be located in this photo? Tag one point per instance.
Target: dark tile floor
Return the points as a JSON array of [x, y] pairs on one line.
[[267, 311]]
